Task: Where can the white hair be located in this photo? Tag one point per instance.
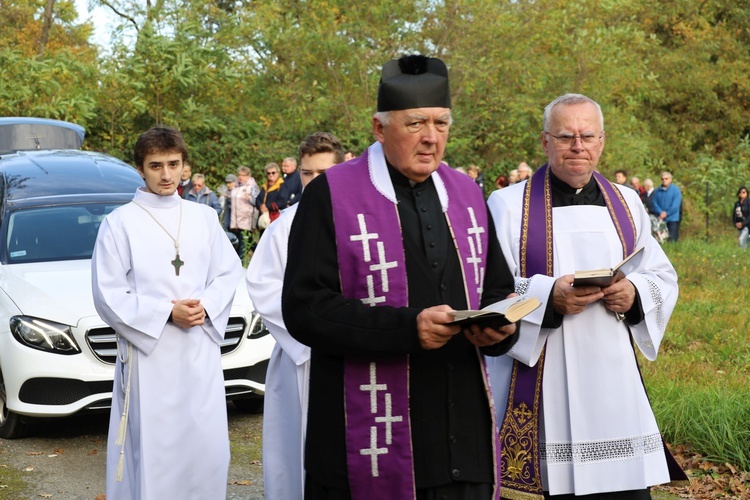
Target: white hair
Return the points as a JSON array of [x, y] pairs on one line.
[[384, 117], [569, 100]]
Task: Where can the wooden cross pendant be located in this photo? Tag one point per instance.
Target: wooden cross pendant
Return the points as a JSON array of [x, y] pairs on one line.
[[177, 263]]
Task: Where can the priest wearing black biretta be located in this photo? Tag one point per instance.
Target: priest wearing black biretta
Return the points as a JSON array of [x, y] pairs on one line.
[[395, 240]]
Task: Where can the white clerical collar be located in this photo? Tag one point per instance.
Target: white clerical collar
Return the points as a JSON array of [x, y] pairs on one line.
[[156, 201], [382, 180]]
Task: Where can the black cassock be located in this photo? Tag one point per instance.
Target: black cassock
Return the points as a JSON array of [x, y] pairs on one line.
[[449, 409]]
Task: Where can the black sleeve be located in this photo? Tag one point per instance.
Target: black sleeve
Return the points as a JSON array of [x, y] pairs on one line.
[[314, 309], [635, 314], [498, 284], [552, 318]]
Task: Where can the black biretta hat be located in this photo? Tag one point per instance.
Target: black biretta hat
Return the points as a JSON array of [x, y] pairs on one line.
[[414, 81]]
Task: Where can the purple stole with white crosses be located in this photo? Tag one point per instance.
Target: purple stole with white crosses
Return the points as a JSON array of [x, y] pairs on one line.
[[372, 269]]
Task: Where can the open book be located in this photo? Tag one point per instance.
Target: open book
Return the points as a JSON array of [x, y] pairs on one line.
[[605, 277], [498, 314]]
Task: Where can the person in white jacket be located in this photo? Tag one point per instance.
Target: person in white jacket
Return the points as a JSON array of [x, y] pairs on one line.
[[285, 405]]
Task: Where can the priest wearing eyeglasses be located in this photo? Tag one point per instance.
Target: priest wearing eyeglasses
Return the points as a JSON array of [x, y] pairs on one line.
[[576, 420], [382, 248], [163, 276]]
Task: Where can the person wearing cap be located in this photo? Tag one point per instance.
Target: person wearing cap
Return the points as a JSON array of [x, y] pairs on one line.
[[399, 405]]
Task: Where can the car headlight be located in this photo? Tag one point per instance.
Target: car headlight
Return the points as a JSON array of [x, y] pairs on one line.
[[257, 328], [44, 335]]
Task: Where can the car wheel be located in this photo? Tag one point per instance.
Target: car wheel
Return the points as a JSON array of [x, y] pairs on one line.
[[249, 405], [11, 424]]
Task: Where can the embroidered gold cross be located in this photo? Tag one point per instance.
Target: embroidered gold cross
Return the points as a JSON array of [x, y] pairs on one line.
[[522, 413]]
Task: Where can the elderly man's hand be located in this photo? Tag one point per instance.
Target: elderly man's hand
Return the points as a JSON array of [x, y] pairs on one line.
[[620, 296], [567, 299], [433, 328], [483, 337]]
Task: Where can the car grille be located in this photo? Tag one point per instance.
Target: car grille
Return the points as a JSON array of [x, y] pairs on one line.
[[256, 373], [60, 391], [233, 335], [103, 342]]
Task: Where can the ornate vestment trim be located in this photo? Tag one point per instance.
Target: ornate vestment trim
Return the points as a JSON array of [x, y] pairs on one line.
[[520, 430]]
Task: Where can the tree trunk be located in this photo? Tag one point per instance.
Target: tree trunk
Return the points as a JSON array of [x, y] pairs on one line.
[[47, 26]]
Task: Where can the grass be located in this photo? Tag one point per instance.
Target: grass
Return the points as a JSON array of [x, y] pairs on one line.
[[12, 484], [246, 441], [700, 384]]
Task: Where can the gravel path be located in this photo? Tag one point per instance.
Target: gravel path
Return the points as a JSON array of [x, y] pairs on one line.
[[66, 459]]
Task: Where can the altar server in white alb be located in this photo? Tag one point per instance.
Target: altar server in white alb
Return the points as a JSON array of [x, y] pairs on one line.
[[285, 402], [164, 276], [577, 420]]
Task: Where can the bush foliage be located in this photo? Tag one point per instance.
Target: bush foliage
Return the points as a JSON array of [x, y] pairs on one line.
[[700, 383], [246, 81]]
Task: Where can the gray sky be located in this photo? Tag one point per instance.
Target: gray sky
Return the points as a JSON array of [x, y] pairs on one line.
[[102, 21]]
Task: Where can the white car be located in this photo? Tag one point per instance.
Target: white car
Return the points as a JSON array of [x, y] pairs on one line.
[[56, 355]]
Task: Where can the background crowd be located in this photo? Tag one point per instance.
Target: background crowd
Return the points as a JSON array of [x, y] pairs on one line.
[[255, 204]]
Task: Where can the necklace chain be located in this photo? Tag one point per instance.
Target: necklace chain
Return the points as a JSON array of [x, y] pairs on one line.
[[176, 262]]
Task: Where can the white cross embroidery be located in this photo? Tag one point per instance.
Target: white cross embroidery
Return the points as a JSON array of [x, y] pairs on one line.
[[373, 388], [383, 266], [475, 230], [371, 298], [474, 260], [389, 419], [364, 236], [373, 451]]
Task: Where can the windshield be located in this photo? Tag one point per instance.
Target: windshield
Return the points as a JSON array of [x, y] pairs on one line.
[[54, 233], [31, 135]]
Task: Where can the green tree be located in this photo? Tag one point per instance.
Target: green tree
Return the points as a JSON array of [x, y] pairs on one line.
[[49, 68]]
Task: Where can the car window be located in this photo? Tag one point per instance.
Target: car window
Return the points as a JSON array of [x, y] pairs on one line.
[[54, 233], [38, 134]]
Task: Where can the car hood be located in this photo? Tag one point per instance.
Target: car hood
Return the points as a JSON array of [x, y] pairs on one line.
[[59, 291]]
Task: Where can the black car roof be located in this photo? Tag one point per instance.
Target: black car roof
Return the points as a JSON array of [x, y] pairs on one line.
[[40, 174], [31, 134]]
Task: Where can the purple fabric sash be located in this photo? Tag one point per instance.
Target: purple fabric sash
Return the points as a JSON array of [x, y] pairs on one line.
[[372, 269], [519, 434]]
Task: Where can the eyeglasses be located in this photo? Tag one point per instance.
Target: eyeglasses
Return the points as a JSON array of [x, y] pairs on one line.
[[567, 140], [272, 173]]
